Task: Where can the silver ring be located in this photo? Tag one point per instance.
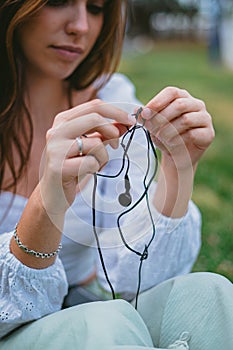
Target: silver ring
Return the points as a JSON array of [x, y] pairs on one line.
[[80, 145]]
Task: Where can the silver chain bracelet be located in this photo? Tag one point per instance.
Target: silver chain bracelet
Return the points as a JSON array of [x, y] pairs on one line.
[[33, 252]]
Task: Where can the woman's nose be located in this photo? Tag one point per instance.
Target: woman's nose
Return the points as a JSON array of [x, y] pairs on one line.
[[77, 22]]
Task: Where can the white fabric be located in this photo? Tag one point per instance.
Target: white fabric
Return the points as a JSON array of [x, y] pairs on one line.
[[27, 294], [173, 251]]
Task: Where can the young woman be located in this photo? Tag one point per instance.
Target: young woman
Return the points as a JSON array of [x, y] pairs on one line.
[[62, 112]]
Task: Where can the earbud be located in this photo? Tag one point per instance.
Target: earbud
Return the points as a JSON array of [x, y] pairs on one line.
[[125, 198]]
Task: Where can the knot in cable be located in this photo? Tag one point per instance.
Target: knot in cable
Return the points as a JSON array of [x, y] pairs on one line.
[[144, 255]]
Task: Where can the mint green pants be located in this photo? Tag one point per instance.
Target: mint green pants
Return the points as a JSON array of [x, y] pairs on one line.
[[189, 312]]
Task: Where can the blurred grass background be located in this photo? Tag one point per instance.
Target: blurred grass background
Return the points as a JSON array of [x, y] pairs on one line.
[[186, 65]]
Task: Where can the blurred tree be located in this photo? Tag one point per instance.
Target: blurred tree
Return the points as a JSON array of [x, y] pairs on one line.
[[140, 11]]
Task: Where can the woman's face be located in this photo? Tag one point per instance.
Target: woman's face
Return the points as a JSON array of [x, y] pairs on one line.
[[56, 40]]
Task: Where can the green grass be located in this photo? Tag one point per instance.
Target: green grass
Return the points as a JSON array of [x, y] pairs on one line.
[[186, 65]]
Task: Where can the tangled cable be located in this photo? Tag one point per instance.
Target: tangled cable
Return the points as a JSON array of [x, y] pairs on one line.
[[125, 198]]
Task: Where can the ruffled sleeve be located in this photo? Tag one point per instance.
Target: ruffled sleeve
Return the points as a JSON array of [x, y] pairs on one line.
[[27, 294]]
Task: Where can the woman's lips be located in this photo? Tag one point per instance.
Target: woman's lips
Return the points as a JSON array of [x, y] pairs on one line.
[[67, 52]]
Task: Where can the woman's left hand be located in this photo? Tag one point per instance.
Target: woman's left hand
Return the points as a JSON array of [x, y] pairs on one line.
[[180, 126]]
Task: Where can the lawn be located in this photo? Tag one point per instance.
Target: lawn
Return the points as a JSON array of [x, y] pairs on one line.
[[186, 65]]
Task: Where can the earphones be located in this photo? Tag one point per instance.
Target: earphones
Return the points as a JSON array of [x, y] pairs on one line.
[[125, 198]]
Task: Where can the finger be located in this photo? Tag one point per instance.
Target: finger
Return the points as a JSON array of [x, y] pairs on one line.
[[80, 166], [122, 128], [201, 138], [180, 106], [113, 142], [182, 113], [185, 122], [94, 123], [96, 106], [87, 143], [84, 125], [196, 138], [175, 109], [90, 146], [164, 98]]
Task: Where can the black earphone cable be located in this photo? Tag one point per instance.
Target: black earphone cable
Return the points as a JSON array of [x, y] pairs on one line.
[[125, 157], [144, 194], [97, 238]]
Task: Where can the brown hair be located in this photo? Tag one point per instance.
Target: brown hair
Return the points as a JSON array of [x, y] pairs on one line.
[[15, 141]]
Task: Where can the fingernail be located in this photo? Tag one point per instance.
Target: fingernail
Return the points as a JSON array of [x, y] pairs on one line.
[[147, 113], [131, 119]]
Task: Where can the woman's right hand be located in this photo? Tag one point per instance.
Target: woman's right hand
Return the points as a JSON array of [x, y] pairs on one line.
[[62, 166]]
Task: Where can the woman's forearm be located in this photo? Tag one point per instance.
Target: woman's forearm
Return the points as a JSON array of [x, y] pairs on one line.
[[37, 231], [174, 189]]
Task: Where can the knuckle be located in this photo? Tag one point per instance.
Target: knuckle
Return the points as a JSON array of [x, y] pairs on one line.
[[54, 145], [185, 120], [105, 159], [61, 118], [97, 102], [99, 121], [96, 118], [181, 105], [95, 146], [90, 161], [50, 134], [192, 135], [172, 90], [94, 165], [176, 92], [212, 133], [209, 119], [184, 92], [202, 104], [98, 143]]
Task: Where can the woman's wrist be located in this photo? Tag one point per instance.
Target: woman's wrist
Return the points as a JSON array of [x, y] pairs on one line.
[[174, 188], [39, 232], [53, 197]]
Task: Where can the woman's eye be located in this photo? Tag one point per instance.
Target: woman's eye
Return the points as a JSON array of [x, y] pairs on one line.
[[56, 3], [95, 9], [92, 8]]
